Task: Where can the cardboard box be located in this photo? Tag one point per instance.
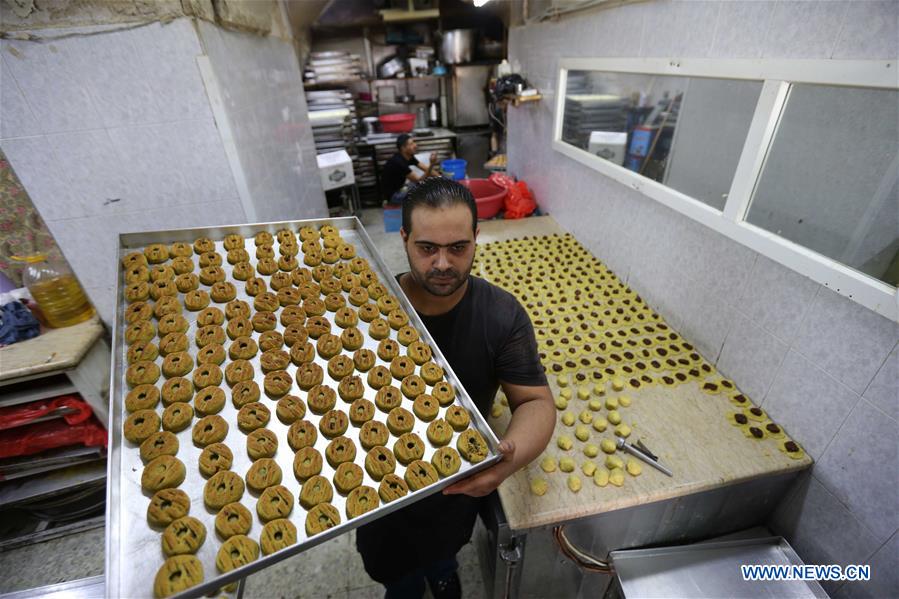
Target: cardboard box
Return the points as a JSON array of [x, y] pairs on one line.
[[335, 169]]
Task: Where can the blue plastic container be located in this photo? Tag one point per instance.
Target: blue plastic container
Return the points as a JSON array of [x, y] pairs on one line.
[[454, 168], [393, 219]]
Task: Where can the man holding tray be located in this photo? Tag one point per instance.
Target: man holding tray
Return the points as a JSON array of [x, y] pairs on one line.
[[488, 340]]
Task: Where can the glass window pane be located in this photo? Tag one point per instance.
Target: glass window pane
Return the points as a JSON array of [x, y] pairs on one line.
[[685, 132], [830, 178]]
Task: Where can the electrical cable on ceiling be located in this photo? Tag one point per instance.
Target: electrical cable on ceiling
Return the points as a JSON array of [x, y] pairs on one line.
[[554, 12], [25, 36]]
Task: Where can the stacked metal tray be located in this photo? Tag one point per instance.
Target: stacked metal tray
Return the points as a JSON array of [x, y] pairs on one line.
[[133, 547]]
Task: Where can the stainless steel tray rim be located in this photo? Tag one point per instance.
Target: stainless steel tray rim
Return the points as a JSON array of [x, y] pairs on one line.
[[214, 580]]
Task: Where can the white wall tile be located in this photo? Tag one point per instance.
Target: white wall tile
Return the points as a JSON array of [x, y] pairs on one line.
[[741, 29], [883, 391], [751, 357], [870, 31], [776, 298], [822, 530], [845, 339], [804, 29], [860, 467], [103, 299], [46, 73], [808, 403], [35, 165], [16, 118], [94, 172]]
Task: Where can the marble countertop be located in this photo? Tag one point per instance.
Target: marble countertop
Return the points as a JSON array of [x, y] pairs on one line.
[[56, 349]]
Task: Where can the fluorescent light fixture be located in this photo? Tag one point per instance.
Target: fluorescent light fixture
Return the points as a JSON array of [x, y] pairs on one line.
[[480, 3]]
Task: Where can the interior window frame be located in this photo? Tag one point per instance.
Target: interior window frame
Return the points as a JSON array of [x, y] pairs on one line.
[[777, 77]]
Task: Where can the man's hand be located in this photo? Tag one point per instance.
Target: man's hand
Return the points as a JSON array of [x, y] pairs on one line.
[[486, 481], [432, 158]]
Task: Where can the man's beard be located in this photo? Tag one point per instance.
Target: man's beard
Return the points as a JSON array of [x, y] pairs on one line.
[[448, 283]]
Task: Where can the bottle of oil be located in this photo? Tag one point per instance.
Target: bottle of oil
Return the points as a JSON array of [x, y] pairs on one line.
[[56, 290]]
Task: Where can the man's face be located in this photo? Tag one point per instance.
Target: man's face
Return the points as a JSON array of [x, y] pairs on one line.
[[410, 147], [440, 247]]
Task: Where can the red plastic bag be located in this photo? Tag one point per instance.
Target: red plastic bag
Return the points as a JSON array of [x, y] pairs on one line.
[[35, 438], [519, 201], [20, 415]]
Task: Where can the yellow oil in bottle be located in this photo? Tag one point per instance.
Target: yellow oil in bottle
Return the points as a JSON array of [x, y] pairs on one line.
[[62, 300], [56, 290]]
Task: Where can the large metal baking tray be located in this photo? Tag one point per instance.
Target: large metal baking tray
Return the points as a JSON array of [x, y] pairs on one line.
[[710, 570], [133, 548]]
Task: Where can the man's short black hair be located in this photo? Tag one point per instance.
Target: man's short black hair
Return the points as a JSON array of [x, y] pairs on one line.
[[401, 140], [437, 192]]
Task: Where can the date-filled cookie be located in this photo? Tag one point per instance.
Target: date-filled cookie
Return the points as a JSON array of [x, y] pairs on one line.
[[262, 474], [321, 518], [347, 477], [166, 506], [290, 408], [444, 393], [177, 390], [215, 458], [233, 519], [425, 407], [392, 487], [333, 424], [244, 393], [142, 397], [222, 488], [364, 360], [321, 398], [379, 377], [164, 472], [315, 490], [301, 433], [379, 462], [307, 462], [309, 375], [252, 416], [262, 443], [275, 502], [177, 574], [157, 444], [209, 400], [362, 499], [472, 446], [408, 448], [140, 425], [361, 411], [236, 551], [350, 388], [372, 434], [277, 535], [400, 421], [142, 373], [439, 432], [177, 417], [184, 535], [420, 474], [340, 450], [413, 386], [458, 418], [208, 430], [446, 461]]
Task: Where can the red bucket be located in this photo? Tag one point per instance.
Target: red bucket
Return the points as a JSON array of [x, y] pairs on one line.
[[488, 196], [397, 123]]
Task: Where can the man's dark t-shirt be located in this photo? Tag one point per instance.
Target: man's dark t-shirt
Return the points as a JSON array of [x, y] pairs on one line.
[[393, 175], [486, 338]]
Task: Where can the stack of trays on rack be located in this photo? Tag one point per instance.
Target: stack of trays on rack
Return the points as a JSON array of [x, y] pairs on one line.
[[333, 118], [364, 169], [586, 113], [324, 67]]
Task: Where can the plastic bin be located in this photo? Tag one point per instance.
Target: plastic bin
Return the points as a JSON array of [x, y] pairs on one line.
[[393, 219], [488, 196], [454, 168], [397, 123]]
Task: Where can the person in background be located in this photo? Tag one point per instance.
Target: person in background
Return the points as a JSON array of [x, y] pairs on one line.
[[397, 172], [486, 336]]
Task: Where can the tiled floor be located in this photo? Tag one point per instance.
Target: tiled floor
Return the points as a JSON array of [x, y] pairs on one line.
[[332, 570]]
